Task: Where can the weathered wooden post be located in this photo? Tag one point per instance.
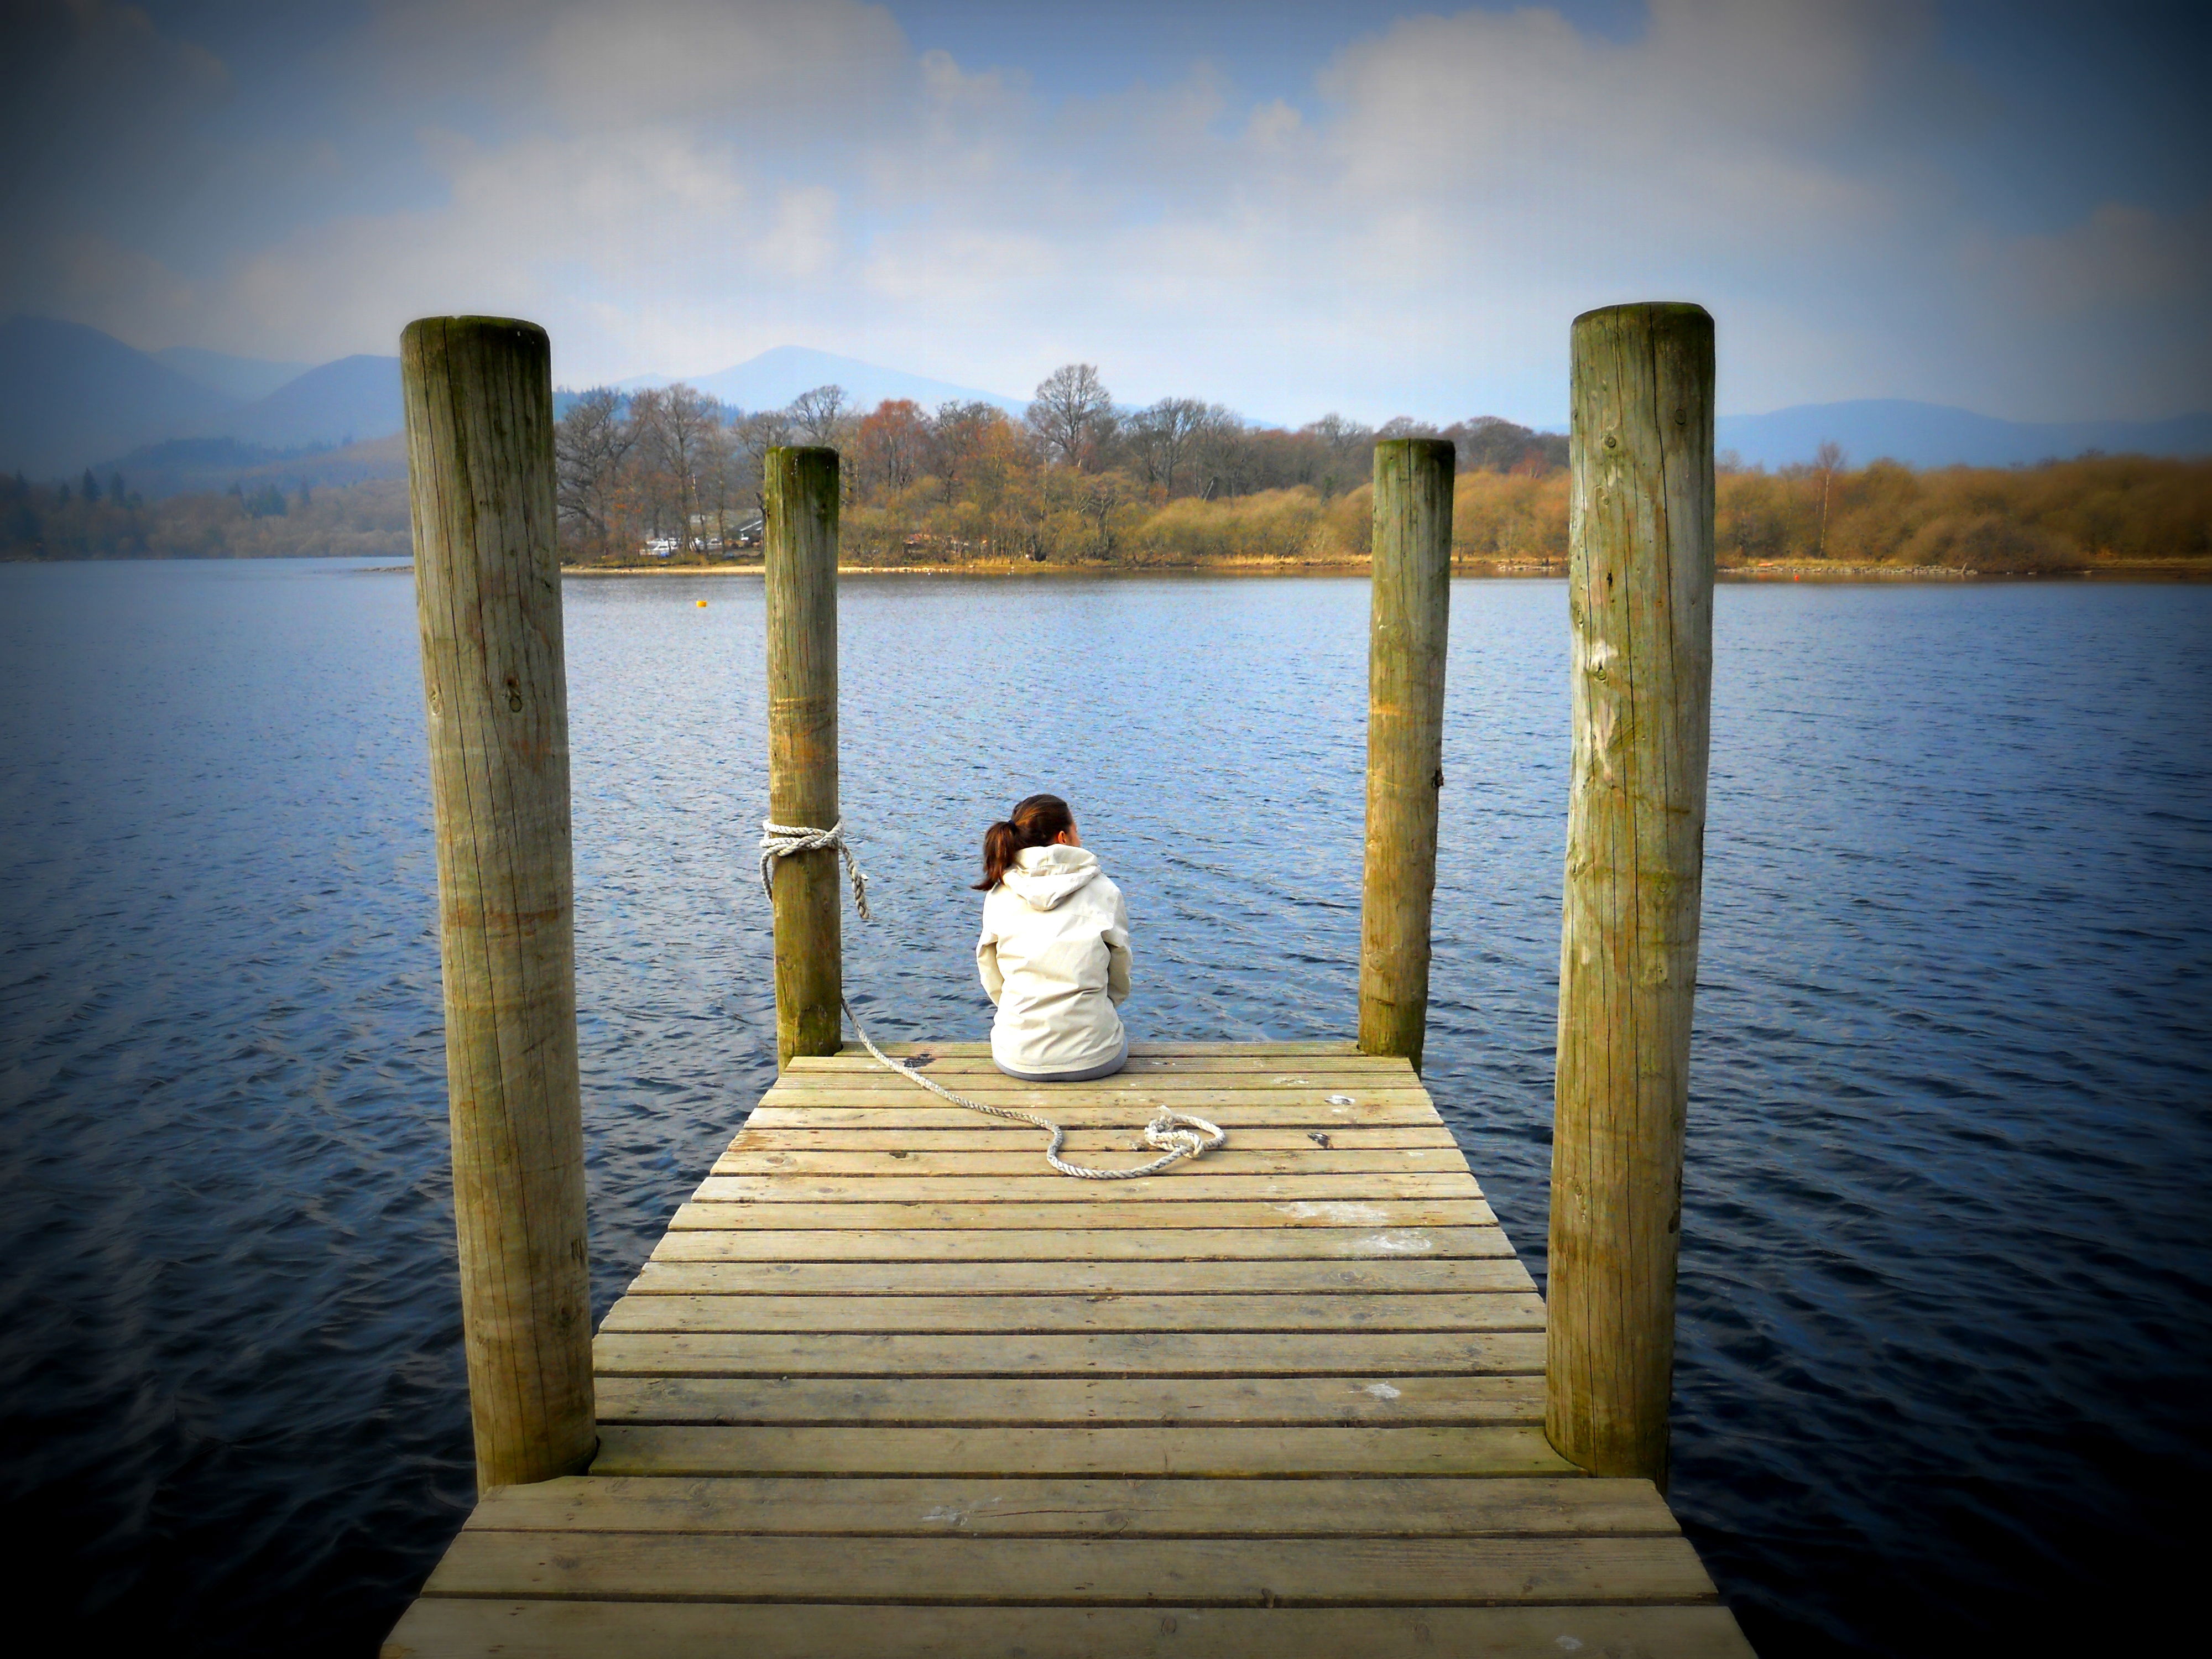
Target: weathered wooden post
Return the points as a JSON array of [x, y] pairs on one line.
[[1640, 591], [1408, 630], [479, 399], [799, 550]]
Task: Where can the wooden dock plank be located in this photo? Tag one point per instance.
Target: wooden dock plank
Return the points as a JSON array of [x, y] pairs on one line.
[[705, 1240], [1040, 1315], [1286, 1399], [1169, 1186], [1400, 1275], [1080, 1209], [1242, 1110], [886, 1133], [931, 1506], [914, 1401], [1163, 1353], [569, 1629], [985, 1163], [1212, 1452], [1140, 1571]]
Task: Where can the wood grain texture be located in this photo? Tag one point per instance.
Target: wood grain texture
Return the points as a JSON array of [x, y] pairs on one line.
[[1090, 1402], [1408, 632], [1211, 1572], [468, 1628], [1267, 1064], [1260, 1240], [937, 1506], [884, 1389], [1369, 1310], [1640, 602], [882, 1135], [995, 1165], [479, 413], [1216, 1452], [1082, 1214], [1404, 1275], [799, 555], [1111, 1353]]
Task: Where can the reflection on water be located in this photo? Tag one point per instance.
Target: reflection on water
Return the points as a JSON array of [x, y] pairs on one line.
[[1944, 1284]]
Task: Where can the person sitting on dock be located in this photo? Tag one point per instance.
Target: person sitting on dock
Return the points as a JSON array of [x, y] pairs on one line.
[[1054, 953]]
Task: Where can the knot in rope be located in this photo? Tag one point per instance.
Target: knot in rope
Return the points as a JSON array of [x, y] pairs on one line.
[[1176, 1134], [780, 840]]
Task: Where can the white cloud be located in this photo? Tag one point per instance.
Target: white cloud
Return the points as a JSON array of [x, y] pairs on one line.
[[674, 184]]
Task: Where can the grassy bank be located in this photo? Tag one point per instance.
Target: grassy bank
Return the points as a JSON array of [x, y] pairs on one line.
[[2123, 514]]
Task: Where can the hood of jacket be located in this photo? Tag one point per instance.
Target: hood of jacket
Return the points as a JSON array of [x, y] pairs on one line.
[[1043, 876]]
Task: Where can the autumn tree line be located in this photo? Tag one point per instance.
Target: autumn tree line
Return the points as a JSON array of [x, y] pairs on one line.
[[1079, 480]]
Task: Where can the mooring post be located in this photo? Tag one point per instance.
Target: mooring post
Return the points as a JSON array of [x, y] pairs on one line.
[[479, 401], [1640, 592], [1408, 629], [799, 550]]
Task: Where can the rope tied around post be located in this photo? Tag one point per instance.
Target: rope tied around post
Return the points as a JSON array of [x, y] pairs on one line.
[[780, 840], [1177, 1134]]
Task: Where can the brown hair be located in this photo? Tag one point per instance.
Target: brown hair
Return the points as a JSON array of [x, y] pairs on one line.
[[1037, 822]]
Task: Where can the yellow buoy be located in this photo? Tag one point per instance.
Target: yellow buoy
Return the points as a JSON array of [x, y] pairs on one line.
[[702, 604]]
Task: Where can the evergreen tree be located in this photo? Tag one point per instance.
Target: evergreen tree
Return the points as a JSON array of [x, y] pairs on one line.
[[91, 486], [115, 489]]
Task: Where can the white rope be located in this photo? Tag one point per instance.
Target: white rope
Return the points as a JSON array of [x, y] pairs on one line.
[[780, 840], [1178, 1134]]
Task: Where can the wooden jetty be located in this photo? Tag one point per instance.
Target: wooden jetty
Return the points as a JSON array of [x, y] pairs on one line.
[[891, 1389]]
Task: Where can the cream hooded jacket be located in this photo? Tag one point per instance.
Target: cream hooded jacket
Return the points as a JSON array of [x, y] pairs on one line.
[[1055, 956]]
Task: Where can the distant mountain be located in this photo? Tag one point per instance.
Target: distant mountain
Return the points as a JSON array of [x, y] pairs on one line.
[[243, 377], [775, 377], [70, 396], [188, 465], [1930, 435], [353, 399]]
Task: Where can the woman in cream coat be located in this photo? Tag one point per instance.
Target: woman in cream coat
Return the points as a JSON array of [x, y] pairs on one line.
[[1054, 951]]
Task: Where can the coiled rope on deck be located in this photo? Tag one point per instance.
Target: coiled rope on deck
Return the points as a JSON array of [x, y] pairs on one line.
[[1178, 1134]]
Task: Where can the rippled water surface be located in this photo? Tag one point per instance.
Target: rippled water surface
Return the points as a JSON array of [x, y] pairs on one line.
[[1946, 1296]]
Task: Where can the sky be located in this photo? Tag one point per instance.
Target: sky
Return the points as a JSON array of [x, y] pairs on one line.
[[1290, 208]]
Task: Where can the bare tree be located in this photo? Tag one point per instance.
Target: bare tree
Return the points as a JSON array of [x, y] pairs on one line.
[[673, 427], [820, 414], [890, 444], [590, 443], [755, 436], [1161, 438], [959, 436], [1072, 414], [1827, 461]]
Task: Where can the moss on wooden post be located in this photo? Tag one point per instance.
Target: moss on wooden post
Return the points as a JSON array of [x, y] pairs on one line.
[[1640, 588], [1408, 630], [479, 404], [800, 542]]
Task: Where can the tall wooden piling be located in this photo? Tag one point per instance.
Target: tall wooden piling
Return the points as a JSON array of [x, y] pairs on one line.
[[1640, 587], [479, 402], [1408, 630], [799, 550]]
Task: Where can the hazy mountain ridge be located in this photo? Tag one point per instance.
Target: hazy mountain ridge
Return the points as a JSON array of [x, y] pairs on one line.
[[71, 397], [776, 376], [1934, 435], [235, 377]]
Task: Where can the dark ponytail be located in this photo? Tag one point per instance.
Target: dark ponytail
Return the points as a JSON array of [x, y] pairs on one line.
[[1037, 822]]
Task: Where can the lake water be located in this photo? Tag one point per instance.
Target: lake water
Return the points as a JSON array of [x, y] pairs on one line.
[[1945, 1290]]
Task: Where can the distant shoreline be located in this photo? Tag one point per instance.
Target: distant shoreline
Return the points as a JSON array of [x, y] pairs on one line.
[[2180, 570]]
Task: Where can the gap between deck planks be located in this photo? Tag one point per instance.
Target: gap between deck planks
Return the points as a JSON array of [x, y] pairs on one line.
[[1287, 1399]]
